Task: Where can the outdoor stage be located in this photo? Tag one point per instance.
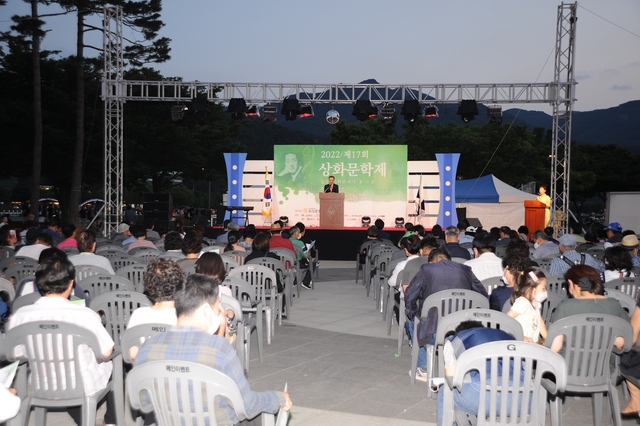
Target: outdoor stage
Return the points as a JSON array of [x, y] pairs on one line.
[[341, 244]]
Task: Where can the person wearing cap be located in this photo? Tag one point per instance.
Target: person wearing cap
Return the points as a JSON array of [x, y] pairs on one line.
[[277, 240], [464, 238], [614, 234], [570, 257], [123, 229], [630, 242]]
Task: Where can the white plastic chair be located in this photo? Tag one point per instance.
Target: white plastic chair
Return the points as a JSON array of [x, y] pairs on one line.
[[59, 366], [629, 285], [263, 281], [588, 344], [443, 302], [135, 274], [166, 387], [517, 398], [488, 317], [245, 325], [116, 308], [95, 285], [86, 271]]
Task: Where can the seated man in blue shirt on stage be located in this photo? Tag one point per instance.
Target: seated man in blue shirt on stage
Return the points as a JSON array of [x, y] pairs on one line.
[[199, 337]]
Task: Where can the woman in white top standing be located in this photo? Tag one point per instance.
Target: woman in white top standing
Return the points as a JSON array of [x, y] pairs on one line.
[[546, 200]]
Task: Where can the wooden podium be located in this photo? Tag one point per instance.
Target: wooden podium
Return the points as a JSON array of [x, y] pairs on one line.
[[331, 210], [534, 211]]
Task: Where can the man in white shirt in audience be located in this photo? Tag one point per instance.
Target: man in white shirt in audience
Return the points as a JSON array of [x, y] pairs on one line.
[[486, 264], [87, 246]]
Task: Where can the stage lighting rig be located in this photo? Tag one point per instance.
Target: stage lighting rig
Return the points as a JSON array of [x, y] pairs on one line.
[[411, 109], [495, 114], [177, 112], [306, 111], [387, 113], [238, 108], [467, 110], [364, 109], [270, 113], [290, 109], [431, 111]]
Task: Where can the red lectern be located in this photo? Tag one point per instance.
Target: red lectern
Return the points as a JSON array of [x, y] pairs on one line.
[[331, 210], [534, 211]]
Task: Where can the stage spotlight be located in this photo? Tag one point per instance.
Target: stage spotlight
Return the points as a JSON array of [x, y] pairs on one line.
[[333, 116], [285, 220], [238, 108], [366, 221], [431, 111], [399, 222], [467, 110], [270, 113], [306, 111], [495, 114], [411, 109], [177, 112], [290, 109], [387, 113], [364, 109], [253, 111], [200, 105]]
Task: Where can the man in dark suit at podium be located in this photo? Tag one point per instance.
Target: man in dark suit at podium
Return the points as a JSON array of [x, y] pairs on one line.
[[331, 186]]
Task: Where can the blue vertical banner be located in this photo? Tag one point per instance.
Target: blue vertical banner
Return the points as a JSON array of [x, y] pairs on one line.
[[447, 166], [235, 168]]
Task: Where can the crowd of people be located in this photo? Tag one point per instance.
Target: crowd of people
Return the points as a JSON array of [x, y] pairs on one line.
[[461, 257]]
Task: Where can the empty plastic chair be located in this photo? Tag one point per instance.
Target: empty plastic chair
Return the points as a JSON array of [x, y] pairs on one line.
[[135, 274]]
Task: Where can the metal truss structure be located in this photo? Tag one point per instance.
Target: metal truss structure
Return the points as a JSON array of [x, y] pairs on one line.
[[562, 116], [559, 93]]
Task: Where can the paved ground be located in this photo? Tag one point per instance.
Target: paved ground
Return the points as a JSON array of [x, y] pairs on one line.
[[342, 368]]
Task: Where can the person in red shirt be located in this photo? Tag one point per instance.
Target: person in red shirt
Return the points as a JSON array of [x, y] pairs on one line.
[[276, 239]]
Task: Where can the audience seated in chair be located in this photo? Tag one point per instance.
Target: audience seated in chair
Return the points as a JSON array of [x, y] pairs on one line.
[[468, 335], [55, 278], [485, 264], [197, 338], [87, 247], [439, 274], [140, 233], [191, 247]]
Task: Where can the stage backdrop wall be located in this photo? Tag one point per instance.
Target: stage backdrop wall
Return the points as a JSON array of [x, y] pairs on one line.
[[373, 179]]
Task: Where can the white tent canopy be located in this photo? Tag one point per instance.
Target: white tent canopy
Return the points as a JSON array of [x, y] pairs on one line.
[[492, 202]]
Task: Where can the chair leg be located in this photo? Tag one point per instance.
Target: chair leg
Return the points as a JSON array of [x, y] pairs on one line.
[[555, 410], [89, 409], [41, 416], [596, 408], [614, 404], [414, 353]]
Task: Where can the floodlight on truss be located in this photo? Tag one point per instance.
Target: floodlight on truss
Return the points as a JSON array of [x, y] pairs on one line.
[[306, 111], [431, 111], [270, 113], [252, 111], [387, 113], [238, 108], [411, 109], [494, 112], [467, 110], [200, 105], [177, 112], [290, 109], [364, 109]]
